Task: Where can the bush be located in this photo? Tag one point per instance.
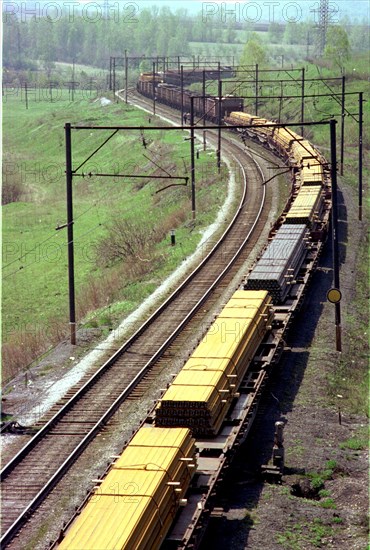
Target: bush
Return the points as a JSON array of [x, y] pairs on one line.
[[126, 240], [12, 189]]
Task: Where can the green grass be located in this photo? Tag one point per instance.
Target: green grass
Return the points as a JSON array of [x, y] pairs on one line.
[[318, 478], [299, 535], [327, 503], [293, 53], [358, 442], [35, 288], [337, 520], [295, 451]]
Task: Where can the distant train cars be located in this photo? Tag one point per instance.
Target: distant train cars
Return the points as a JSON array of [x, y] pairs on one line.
[[196, 75], [167, 91], [282, 140], [309, 167], [305, 218]]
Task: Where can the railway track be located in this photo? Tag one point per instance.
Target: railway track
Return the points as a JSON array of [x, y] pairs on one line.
[[50, 453]]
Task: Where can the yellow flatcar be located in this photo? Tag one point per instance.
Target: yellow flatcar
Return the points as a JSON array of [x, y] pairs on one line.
[[302, 150], [136, 503], [200, 395], [312, 174], [306, 206]]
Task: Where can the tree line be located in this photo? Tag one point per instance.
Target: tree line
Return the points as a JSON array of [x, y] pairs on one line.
[[152, 32]]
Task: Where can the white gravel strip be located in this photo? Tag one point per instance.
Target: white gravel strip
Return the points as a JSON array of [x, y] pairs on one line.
[[58, 389]]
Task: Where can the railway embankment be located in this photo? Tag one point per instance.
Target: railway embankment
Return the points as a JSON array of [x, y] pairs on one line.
[[321, 397]]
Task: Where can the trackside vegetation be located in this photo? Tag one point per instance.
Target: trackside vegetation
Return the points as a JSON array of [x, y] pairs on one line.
[[121, 225]]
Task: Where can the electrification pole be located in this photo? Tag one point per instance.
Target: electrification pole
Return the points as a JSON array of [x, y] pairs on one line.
[[114, 76], [192, 156], [219, 125], [71, 281], [360, 105], [182, 94], [343, 114], [334, 231], [126, 76], [153, 87], [204, 108], [256, 103], [302, 102]]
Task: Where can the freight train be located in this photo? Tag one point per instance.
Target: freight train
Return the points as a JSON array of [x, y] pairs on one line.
[[159, 492], [189, 76], [172, 95]]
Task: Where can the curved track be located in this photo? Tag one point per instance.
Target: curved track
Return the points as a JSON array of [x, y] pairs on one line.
[[47, 457], [215, 456]]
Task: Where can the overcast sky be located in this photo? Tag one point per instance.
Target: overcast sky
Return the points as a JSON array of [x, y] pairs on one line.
[[267, 9], [247, 10]]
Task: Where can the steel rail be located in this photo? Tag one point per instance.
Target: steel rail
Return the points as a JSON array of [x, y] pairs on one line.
[[49, 425], [22, 518]]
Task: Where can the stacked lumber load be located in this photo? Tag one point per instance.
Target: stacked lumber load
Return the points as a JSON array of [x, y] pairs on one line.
[[312, 174], [243, 118], [285, 138], [278, 266], [201, 394], [303, 150], [265, 131], [140, 495], [307, 206]]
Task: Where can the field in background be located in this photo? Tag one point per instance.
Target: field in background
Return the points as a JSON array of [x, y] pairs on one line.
[[35, 288]]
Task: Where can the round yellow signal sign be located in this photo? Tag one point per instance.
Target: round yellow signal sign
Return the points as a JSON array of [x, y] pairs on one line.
[[334, 295]]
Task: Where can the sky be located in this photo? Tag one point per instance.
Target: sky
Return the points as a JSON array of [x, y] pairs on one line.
[[244, 10], [279, 10]]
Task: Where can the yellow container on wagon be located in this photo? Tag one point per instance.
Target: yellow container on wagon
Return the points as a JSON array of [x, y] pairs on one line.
[[193, 385], [153, 437], [312, 174], [135, 505], [284, 137], [302, 150], [306, 205], [201, 394], [244, 118]]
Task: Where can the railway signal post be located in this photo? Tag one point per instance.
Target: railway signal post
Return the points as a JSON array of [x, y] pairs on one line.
[[334, 232]]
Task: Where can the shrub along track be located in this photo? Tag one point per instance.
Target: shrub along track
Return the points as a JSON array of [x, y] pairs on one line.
[[46, 458]]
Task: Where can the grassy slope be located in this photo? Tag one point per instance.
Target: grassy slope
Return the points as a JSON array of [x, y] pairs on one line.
[[35, 297]]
